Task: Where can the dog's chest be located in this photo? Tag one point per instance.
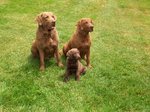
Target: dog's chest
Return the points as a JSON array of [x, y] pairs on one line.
[[46, 42], [83, 43], [47, 35], [72, 66], [83, 47]]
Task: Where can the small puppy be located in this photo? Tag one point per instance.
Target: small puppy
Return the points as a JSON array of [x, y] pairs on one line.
[[46, 43], [73, 65], [81, 39]]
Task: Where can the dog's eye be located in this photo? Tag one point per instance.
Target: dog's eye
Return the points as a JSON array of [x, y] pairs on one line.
[[86, 22], [53, 17]]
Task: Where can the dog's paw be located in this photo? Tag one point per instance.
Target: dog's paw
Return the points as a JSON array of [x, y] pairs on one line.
[[66, 79], [42, 68], [77, 78], [89, 66], [60, 65]]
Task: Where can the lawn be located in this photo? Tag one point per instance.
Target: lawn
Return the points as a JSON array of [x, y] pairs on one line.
[[120, 56]]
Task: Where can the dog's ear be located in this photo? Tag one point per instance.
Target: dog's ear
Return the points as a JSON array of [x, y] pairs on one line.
[[68, 54], [79, 24], [39, 19]]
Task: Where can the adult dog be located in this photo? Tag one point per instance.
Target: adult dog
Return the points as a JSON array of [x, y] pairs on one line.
[[81, 39], [46, 43]]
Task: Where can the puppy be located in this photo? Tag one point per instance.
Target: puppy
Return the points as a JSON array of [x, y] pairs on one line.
[[73, 65], [46, 43], [81, 39]]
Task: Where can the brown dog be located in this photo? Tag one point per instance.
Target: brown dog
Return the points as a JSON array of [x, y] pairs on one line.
[[46, 43], [73, 65], [81, 39]]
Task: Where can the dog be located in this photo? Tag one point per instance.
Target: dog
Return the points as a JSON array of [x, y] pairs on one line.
[[46, 43], [73, 65], [81, 39]]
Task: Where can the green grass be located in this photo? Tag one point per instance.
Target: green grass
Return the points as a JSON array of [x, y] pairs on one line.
[[120, 56]]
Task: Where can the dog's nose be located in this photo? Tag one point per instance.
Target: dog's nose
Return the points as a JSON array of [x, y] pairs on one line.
[[53, 23], [91, 26]]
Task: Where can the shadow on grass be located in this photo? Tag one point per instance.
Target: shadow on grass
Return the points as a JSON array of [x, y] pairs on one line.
[[25, 87], [21, 89]]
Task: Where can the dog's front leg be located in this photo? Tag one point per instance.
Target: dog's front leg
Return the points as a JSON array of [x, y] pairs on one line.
[[78, 72], [88, 59], [41, 52], [66, 76], [57, 56], [77, 77]]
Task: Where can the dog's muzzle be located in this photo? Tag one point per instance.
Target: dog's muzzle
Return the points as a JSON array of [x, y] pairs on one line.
[[91, 28]]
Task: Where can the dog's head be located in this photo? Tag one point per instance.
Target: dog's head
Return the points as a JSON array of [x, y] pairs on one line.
[[85, 24], [73, 54], [46, 19]]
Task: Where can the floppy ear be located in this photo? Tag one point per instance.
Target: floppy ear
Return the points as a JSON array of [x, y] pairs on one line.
[[79, 24], [68, 54], [78, 51], [39, 19]]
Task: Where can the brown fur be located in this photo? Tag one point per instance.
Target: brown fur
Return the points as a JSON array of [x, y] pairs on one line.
[[73, 65], [46, 43], [81, 39]]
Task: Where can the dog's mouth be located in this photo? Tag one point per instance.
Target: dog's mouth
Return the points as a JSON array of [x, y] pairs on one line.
[[77, 57], [91, 29], [50, 29]]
